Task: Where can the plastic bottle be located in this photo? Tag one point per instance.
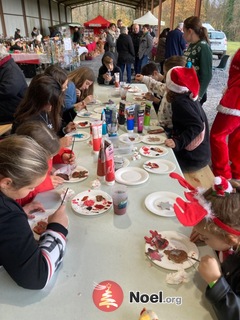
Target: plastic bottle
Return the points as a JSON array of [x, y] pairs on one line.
[[109, 156], [104, 125], [101, 166], [147, 111], [140, 116]]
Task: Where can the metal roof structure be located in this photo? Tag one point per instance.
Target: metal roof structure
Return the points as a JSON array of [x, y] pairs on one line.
[[135, 4]]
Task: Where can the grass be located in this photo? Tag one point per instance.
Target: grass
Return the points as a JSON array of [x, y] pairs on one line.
[[232, 47]]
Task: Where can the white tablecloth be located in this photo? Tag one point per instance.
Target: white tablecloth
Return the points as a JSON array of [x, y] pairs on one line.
[[110, 247]]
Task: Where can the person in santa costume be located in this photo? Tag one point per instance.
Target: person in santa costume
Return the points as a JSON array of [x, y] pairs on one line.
[[225, 132], [189, 138]]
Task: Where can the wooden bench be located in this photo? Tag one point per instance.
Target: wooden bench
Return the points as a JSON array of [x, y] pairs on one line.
[[201, 178], [5, 128]]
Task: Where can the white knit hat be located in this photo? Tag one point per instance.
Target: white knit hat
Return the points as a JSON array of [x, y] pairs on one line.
[[182, 79]]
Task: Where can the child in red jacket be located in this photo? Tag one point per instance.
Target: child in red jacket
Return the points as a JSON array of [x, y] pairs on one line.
[[50, 142]]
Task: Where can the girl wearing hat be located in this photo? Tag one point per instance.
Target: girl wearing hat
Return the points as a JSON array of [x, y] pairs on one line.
[[215, 215], [189, 137]]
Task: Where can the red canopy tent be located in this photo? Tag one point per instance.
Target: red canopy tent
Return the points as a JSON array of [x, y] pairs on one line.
[[97, 24]]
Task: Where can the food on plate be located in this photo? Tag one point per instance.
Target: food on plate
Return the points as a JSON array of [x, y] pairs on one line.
[[40, 227], [63, 175], [176, 255], [83, 123], [164, 205], [153, 139], [80, 174], [100, 198], [152, 165], [156, 149], [139, 98], [131, 138], [155, 131], [154, 254], [156, 240]]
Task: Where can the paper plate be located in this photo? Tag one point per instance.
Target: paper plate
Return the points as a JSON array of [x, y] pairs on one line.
[[131, 176], [153, 152], [94, 103], [130, 138], [91, 202], [153, 139], [98, 109], [159, 166], [176, 241], [161, 203], [79, 135], [70, 170], [84, 114]]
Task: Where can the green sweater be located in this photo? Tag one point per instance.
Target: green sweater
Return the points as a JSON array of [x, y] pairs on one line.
[[200, 55]]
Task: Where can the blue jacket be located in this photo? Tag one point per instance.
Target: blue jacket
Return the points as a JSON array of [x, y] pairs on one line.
[[175, 43], [70, 96]]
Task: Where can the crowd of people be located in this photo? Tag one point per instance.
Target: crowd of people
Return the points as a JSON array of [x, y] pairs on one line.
[[177, 82]]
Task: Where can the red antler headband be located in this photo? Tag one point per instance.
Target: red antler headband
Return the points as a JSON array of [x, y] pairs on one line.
[[191, 212]]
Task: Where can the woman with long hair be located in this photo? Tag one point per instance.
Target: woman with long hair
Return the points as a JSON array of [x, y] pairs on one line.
[[199, 53]]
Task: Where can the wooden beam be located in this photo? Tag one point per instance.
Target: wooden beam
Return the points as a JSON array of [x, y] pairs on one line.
[[159, 17], [40, 16], [24, 18], [172, 14], [3, 20], [197, 11]]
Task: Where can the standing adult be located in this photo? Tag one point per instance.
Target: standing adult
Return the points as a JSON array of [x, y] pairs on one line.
[[161, 48], [136, 36], [126, 53], [199, 53], [34, 32], [76, 35], [17, 34], [145, 46], [110, 44], [175, 43], [118, 28], [12, 86]]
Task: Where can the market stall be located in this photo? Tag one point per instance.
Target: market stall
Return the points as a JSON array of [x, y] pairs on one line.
[[97, 24]]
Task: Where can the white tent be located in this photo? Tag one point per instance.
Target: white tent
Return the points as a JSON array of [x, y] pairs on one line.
[[148, 18]]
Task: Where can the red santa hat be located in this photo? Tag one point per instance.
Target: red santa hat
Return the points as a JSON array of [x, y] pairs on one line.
[[182, 79]]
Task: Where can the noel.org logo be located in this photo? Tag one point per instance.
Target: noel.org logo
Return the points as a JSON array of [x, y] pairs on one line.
[[107, 296]]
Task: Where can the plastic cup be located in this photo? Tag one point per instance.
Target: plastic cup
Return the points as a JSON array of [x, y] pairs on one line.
[[117, 84], [123, 93], [120, 199]]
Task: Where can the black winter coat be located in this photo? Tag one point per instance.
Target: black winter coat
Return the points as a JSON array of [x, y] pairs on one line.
[[12, 89], [225, 294], [125, 49]]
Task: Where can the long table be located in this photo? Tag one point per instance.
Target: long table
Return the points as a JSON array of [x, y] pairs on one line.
[[108, 248]]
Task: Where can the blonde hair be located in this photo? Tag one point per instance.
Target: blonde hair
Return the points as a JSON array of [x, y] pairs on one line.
[[22, 160]]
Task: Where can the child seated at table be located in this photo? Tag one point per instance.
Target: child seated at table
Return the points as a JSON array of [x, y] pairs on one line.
[[78, 93], [108, 68], [155, 82], [31, 264], [47, 139], [215, 215], [189, 137]]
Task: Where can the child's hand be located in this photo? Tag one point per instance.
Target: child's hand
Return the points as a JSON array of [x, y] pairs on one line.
[[71, 126], [68, 158], [139, 77], [170, 143], [78, 92], [66, 141], [59, 216], [31, 207], [88, 99], [209, 269], [56, 181]]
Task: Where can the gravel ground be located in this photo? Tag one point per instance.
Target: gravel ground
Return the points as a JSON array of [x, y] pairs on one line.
[[214, 92]]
